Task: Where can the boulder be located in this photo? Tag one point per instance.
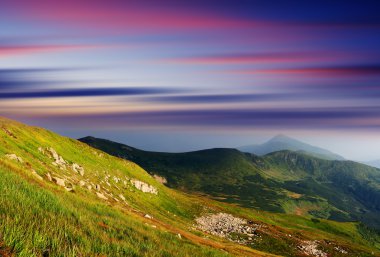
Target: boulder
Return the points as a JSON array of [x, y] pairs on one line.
[[69, 189], [58, 160], [122, 197], [59, 181], [14, 157], [101, 196], [78, 169], [148, 216]]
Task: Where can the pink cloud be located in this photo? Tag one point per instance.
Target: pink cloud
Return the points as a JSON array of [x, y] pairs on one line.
[[125, 16], [253, 58], [6, 51]]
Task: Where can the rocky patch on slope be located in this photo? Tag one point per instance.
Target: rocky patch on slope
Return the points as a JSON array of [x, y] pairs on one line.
[[225, 225], [311, 248]]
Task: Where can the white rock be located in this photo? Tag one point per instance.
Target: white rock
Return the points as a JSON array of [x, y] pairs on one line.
[[49, 176], [160, 179], [101, 196], [78, 169], [36, 175], [144, 187], [59, 181], [14, 157], [148, 216]]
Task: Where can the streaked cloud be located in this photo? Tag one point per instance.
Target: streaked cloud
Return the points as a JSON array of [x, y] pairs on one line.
[[15, 50], [83, 92], [218, 65], [344, 70]]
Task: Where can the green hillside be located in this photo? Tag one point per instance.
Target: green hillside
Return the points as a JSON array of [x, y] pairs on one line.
[[60, 197], [284, 181]]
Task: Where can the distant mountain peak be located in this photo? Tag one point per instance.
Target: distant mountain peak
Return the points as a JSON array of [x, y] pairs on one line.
[[282, 142], [282, 137]]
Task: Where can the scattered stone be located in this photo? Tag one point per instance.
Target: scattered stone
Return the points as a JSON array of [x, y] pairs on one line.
[[14, 157], [49, 177], [59, 181], [340, 250], [69, 189], [160, 179], [144, 187], [122, 197], [101, 196], [82, 183], [78, 169], [97, 187], [36, 175], [179, 236], [310, 248], [89, 187], [148, 216]]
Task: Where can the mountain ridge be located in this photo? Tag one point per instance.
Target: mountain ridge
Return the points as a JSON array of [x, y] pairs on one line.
[[61, 197], [282, 181]]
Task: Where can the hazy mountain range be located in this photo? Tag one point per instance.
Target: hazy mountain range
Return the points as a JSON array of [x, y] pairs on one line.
[[374, 163], [282, 142]]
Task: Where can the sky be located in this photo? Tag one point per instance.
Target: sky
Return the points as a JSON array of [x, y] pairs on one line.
[[186, 75]]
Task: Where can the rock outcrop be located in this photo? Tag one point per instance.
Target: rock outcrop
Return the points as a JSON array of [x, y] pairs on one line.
[[58, 160], [144, 187], [310, 248], [160, 179]]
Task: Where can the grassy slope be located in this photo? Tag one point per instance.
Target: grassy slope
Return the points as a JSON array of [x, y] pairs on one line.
[[39, 218], [284, 181]]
